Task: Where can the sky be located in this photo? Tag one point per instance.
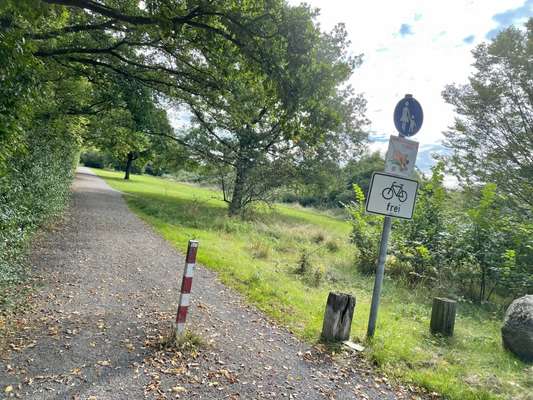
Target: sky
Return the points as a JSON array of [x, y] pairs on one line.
[[416, 47]]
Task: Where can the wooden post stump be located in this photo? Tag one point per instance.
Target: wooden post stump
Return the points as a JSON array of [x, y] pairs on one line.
[[443, 316], [338, 317]]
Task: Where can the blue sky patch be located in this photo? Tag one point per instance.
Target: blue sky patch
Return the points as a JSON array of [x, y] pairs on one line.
[[405, 30], [425, 159], [469, 39], [380, 138], [510, 17]]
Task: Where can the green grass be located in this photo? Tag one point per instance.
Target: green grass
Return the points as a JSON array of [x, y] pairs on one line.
[[259, 257]]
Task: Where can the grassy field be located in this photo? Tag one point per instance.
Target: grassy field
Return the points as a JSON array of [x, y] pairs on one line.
[[261, 258]]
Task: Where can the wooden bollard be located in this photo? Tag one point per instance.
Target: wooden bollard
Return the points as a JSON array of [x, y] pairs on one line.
[[443, 316], [338, 317]]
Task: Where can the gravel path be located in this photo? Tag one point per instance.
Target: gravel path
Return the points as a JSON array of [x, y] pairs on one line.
[[107, 298]]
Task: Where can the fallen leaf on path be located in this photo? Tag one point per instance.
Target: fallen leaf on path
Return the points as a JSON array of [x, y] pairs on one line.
[[104, 363], [178, 389]]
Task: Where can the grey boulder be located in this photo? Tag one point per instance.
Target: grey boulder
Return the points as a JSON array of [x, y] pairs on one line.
[[517, 330]]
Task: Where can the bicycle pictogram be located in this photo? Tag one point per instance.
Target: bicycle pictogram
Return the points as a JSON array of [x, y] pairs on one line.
[[394, 190]]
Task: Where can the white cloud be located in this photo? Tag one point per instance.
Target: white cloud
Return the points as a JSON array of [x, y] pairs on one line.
[[421, 63], [378, 146], [179, 117]]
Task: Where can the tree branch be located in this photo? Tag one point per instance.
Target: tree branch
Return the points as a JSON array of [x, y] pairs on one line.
[[79, 50], [149, 82], [147, 20], [209, 129], [189, 146], [74, 29]]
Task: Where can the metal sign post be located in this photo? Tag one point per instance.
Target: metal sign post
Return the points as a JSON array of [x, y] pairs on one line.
[[393, 195], [380, 271]]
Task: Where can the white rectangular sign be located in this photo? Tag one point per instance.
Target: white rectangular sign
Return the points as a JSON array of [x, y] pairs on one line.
[[401, 156], [391, 195]]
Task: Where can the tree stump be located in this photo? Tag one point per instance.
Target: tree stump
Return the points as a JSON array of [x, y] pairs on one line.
[[443, 316], [338, 317]]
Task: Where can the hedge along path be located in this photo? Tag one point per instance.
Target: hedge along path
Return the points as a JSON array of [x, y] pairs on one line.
[[108, 296]]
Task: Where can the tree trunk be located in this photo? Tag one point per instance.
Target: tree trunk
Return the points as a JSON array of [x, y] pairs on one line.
[[128, 165], [235, 206], [443, 316], [482, 286]]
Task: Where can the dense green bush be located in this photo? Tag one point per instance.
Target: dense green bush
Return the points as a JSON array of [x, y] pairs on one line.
[[153, 169], [467, 245], [331, 200], [288, 197], [94, 159], [33, 189], [325, 184], [421, 247], [365, 233], [497, 248]]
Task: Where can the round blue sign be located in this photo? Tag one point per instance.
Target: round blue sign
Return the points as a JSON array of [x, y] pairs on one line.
[[408, 116]]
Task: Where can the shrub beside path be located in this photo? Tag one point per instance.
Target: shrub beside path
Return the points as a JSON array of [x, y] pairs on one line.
[[107, 296]]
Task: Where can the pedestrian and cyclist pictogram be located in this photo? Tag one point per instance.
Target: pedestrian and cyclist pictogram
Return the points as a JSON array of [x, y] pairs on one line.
[[408, 116]]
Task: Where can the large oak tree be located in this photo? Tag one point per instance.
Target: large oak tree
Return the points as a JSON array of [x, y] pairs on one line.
[[261, 132]]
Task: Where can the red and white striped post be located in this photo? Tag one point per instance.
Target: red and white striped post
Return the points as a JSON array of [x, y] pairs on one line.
[[186, 285]]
